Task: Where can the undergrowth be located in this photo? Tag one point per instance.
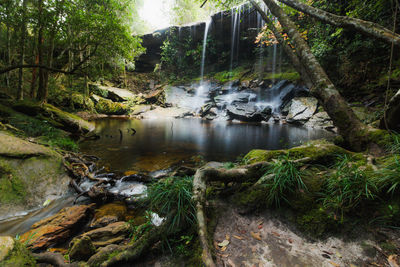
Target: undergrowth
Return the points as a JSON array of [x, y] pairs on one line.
[[173, 195], [286, 178]]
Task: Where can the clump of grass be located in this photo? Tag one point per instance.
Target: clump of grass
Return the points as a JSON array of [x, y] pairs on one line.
[[286, 178], [394, 146], [173, 195], [347, 187], [391, 176]]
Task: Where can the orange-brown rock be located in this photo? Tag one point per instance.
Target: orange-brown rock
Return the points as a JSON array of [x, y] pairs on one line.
[[57, 228]]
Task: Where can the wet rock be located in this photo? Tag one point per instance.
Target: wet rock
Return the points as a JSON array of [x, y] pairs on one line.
[[117, 94], [320, 120], [57, 228], [248, 112], [109, 213], [139, 109], [6, 246], [301, 109], [113, 233], [156, 97], [81, 249]]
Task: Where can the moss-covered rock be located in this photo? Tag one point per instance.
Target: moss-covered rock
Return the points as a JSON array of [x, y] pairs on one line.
[[17, 254], [105, 106], [29, 174], [81, 249], [109, 213], [318, 151]]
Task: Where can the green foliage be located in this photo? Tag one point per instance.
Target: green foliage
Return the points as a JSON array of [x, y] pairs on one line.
[[173, 195], [286, 178], [180, 57], [136, 231], [348, 186], [391, 175]]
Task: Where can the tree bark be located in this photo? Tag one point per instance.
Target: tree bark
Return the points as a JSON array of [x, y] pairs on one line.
[[349, 126], [369, 28], [288, 50], [42, 95], [20, 94]]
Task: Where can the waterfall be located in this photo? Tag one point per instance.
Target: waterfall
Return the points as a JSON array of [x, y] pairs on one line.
[[234, 22], [202, 88], [203, 54], [274, 62]]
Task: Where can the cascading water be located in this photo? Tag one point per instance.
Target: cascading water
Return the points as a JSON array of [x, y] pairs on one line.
[[201, 90]]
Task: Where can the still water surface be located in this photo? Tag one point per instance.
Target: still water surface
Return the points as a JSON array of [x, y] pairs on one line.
[[159, 142]]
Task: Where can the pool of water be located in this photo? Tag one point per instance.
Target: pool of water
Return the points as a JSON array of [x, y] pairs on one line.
[[158, 143]]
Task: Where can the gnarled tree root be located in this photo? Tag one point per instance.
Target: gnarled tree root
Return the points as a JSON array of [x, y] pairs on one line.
[[55, 259]]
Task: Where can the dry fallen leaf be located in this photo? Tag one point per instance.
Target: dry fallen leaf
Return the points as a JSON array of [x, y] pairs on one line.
[[238, 237], [334, 264], [393, 260], [223, 243], [256, 235], [230, 262], [275, 234], [227, 237], [223, 249]]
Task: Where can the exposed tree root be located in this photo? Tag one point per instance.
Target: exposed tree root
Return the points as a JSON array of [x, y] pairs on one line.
[[55, 259]]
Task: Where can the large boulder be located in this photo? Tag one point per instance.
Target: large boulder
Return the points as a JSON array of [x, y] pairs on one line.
[[7, 244], [248, 112], [106, 106], [156, 97], [320, 120], [81, 249], [57, 228], [29, 175], [117, 94], [392, 114], [301, 109]]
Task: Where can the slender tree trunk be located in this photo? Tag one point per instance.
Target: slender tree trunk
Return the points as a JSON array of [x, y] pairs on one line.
[[22, 51], [350, 127], [8, 54], [369, 28], [288, 50], [41, 87], [34, 78]]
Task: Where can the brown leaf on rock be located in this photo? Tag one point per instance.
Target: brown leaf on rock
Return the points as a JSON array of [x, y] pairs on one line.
[[238, 237], [256, 235], [393, 260]]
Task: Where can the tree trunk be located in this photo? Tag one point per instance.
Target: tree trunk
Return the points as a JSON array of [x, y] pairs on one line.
[[42, 94], [8, 54], [343, 117], [288, 50], [369, 28], [34, 78], [22, 51]]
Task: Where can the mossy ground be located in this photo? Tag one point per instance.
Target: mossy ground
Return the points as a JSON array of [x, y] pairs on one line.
[[19, 256], [12, 188]]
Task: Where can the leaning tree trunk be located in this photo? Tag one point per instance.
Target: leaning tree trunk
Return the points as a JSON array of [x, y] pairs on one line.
[[349, 126], [366, 27], [288, 50]]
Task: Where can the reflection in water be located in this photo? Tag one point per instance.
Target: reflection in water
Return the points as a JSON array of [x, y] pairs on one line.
[[159, 142]]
